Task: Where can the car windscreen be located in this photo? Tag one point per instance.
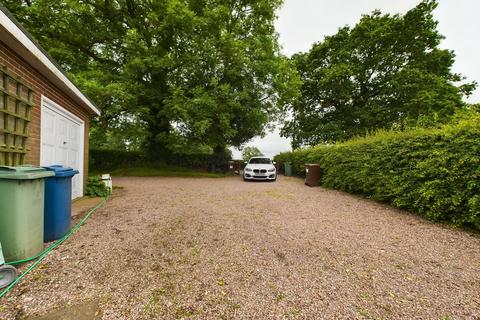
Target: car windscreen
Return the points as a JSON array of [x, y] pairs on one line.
[[260, 161]]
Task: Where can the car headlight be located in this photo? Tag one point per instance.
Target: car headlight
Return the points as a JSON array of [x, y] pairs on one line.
[[248, 169], [271, 170]]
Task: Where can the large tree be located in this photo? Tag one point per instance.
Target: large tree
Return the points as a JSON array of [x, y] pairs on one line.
[[385, 72], [175, 74], [89, 39], [234, 79]]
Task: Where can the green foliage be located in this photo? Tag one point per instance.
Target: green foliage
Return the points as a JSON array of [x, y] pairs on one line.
[[433, 172], [164, 171], [249, 152], [233, 80], [108, 160], [87, 39], [387, 72], [96, 187], [168, 75]]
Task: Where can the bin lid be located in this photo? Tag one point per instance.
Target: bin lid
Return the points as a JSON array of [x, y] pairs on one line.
[[61, 171], [24, 173]]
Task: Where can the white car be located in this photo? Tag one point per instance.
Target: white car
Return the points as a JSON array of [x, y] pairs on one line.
[[260, 168]]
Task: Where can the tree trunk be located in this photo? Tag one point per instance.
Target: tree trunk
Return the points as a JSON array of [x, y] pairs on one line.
[[156, 143], [158, 124]]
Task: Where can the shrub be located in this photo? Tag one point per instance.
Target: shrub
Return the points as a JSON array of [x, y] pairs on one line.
[[433, 172], [96, 188], [109, 160]]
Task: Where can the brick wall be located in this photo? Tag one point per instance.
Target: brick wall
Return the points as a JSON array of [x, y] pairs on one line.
[[41, 86]]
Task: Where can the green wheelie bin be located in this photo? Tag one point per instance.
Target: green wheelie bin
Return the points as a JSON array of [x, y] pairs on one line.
[[21, 211], [288, 169]]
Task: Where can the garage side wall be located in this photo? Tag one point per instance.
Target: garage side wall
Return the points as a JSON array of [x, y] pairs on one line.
[[41, 86]]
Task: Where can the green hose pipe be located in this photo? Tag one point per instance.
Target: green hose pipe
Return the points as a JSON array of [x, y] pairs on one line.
[[44, 253]]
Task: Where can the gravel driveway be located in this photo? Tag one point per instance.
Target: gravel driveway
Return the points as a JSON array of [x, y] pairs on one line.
[[222, 248]]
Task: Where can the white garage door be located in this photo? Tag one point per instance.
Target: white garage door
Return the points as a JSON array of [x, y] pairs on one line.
[[62, 141]]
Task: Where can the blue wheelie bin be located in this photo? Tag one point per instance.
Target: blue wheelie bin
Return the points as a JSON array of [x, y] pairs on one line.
[[58, 202]]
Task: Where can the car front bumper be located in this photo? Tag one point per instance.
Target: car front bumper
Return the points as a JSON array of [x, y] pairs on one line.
[[260, 176]]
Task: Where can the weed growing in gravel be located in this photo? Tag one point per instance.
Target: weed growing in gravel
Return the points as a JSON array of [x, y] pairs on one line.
[[365, 296], [399, 267], [280, 255], [38, 277], [153, 300], [168, 287], [107, 298], [184, 312], [274, 193], [149, 307], [235, 306], [280, 296], [364, 313], [279, 194]]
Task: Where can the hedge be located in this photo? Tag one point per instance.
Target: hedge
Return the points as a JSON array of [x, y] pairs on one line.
[[114, 159], [100, 159], [433, 172]]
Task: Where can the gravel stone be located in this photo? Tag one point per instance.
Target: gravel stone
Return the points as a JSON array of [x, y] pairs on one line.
[[173, 248]]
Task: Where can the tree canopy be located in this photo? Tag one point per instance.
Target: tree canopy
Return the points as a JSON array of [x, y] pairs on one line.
[[169, 75], [249, 152], [386, 72]]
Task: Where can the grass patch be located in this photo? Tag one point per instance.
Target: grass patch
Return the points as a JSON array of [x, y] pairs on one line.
[[279, 194], [164, 171]]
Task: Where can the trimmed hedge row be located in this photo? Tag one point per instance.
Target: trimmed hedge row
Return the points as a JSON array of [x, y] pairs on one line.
[[433, 172], [113, 159]]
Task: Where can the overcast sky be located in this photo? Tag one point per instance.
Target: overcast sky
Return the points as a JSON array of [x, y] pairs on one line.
[[304, 22]]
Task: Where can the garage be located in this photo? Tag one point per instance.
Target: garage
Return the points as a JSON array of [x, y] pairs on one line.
[[44, 116], [61, 141]]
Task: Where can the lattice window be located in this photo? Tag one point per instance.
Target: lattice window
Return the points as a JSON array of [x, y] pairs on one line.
[[15, 115]]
